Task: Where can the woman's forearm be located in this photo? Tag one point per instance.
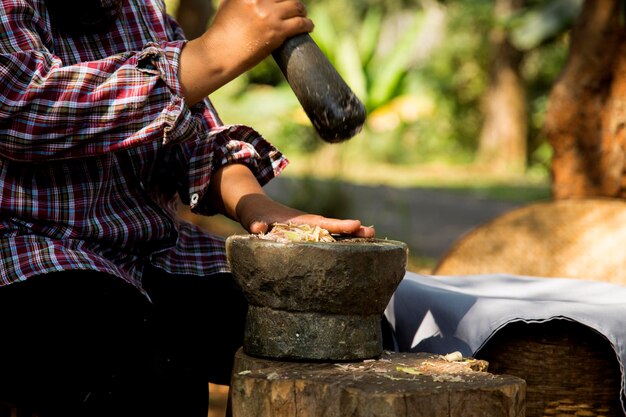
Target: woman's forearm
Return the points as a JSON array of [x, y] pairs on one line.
[[236, 193], [231, 186]]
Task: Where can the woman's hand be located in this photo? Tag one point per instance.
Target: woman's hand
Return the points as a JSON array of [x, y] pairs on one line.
[[243, 33], [257, 212], [238, 195], [254, 28]]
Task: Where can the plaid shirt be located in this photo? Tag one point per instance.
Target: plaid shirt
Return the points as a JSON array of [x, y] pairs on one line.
[[97, 145]]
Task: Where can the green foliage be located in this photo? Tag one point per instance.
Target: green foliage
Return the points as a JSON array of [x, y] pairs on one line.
[[457, 74], [373, 73], [381, 58], [542, 22], [420, 67], [376, 59]]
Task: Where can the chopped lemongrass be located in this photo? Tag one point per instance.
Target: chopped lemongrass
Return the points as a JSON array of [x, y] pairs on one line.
[[297, 233]]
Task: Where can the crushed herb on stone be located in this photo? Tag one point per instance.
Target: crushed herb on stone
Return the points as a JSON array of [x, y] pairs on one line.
[[286, 233]]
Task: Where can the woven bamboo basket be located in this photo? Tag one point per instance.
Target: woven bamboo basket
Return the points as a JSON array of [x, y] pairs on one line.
[[570, 369]]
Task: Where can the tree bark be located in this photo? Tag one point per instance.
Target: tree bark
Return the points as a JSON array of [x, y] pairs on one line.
[[586, 118], [503, 139], [194, 16]]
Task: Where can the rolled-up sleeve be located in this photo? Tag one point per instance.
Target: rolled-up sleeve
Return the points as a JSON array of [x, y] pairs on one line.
[[198, 160], [51, 110]]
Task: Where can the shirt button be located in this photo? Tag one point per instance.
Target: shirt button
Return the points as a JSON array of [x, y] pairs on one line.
[[194, 198]]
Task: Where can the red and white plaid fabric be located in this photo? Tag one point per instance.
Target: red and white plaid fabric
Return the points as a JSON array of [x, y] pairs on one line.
[[96, 142]]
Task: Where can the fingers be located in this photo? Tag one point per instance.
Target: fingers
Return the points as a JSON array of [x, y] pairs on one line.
[[349, 227], [255, 28], [258, 212], [293, 8], [257, 227], [294, 15], [346, 227], [336, 226], [365, 231]]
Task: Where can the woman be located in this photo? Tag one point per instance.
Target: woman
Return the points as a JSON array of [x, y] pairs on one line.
[[112, 306]]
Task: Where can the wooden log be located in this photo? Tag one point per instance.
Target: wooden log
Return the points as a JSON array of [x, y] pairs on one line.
[[395, 385]]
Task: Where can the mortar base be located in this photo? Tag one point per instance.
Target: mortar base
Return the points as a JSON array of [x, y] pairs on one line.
[[311, 335]]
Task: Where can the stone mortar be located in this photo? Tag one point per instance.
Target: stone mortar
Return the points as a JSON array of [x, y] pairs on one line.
[[316, 301]]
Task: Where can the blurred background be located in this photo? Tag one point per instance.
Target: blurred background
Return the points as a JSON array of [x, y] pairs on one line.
[[456, 93]]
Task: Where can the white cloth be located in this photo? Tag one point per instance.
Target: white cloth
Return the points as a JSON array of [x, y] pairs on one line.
[[442, 314]]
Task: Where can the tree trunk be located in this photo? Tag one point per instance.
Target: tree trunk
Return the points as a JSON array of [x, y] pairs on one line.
[[504, 135], [194, 16], [586, 119], [396, 385]]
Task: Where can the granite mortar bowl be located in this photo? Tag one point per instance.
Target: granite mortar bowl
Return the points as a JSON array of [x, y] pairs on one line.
[[314, 300]]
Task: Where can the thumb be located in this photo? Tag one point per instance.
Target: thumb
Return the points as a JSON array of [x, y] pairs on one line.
[[257, 227]]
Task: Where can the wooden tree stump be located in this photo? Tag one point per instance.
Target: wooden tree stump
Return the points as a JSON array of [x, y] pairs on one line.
[[395, 385]]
